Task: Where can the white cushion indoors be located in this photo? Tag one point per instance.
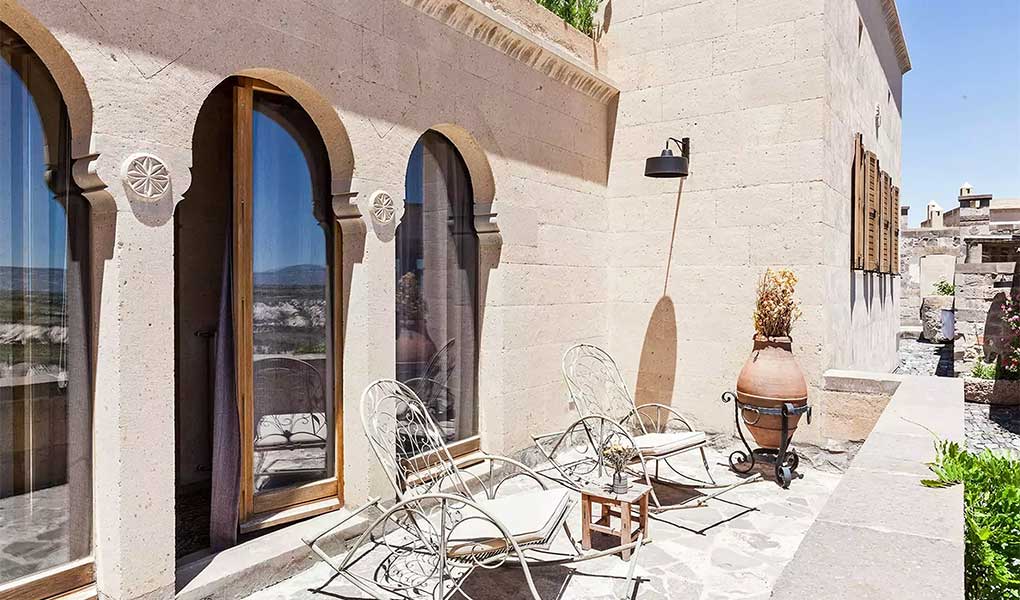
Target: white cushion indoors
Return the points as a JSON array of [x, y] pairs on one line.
[[304, 430]]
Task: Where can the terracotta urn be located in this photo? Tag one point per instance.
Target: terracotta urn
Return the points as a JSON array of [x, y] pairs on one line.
[[770, 378]]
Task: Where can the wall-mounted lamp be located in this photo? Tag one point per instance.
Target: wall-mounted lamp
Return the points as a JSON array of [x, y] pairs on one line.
[[667, 165]]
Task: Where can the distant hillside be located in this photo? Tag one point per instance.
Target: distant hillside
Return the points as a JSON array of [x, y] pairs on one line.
[[35, 279], [294, 275]]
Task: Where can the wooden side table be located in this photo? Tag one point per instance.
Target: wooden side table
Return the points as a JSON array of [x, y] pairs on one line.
[[620, 506]]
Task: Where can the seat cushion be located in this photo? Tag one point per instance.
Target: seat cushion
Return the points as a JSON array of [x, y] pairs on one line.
[[531, 518], [657, 444]]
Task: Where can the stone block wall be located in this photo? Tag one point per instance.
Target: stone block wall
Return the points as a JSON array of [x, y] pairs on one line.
[[583, 247], [916, 244], [770, 93], [981, 288], [387, 71]]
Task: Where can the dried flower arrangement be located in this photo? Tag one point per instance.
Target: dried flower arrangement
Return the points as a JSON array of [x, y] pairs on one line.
[[618, 456], [776, 309]]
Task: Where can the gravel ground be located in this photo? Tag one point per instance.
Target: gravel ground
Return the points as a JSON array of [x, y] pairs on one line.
[[923, 358], [994, 427]]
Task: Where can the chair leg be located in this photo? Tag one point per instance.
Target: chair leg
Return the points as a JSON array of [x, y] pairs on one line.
[[704, 461], [630, 569]]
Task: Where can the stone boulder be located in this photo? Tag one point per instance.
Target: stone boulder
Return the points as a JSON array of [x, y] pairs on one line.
[[991, 391], [931, 317]]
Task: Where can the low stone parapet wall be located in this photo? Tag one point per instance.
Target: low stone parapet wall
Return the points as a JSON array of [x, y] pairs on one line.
[[991, 391], [882, 534]]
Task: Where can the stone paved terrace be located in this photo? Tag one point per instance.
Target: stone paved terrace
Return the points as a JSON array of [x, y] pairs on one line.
[[733, 548]]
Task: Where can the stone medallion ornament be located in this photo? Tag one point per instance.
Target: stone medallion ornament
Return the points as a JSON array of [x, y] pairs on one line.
[[386, 212], [147, 177], [383, 209]]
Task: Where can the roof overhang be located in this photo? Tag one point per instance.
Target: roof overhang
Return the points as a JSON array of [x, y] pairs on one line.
[[892, 23]]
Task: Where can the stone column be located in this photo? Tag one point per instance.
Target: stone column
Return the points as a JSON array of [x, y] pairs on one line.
[[134, 374]]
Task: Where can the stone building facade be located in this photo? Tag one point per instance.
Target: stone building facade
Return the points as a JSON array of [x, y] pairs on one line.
[[573, 243], [977, 248]]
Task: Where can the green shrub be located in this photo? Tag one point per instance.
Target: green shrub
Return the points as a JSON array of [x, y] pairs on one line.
[[983, 370], [992, 370], [991, 495], [578, 13], [944, 288]]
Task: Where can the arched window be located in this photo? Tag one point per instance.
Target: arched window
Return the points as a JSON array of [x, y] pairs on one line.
[[255, 319], [45, 408], [437, 288]]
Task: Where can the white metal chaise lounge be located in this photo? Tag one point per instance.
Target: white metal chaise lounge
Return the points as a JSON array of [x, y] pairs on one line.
[[447, 522], [657, 433]]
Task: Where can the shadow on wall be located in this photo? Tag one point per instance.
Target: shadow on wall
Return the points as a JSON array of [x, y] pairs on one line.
[[657, 368], [872, 285]]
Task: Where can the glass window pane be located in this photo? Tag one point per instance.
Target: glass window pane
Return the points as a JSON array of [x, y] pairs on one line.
[[45, 423], [436, 270], [292, 369]]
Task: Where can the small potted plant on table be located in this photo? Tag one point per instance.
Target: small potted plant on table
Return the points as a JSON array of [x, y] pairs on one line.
[[617, 457]]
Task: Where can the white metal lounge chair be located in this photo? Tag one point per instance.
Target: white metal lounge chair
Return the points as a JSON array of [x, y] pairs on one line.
[[447, 522], [657, 433]]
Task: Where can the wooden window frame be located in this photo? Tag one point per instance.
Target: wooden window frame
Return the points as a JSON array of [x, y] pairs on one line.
[[51, 583], [257, 511], [78, 575]]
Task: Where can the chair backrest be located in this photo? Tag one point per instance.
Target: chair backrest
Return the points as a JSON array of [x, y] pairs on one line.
[[433, 386], [286, 385], [408, 443], [595, 384]]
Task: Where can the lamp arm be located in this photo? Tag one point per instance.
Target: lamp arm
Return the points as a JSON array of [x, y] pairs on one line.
[[683, 144]]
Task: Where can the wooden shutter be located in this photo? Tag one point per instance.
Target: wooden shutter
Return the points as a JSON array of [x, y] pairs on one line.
[[885, 224], [858, 227], [896, 230], [872, 186]]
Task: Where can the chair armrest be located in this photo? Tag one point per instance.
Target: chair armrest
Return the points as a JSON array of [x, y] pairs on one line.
[[521, 470], [676, 415]]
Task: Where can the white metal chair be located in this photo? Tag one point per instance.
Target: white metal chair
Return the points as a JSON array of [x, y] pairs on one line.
[[447, 522], [657, 433]]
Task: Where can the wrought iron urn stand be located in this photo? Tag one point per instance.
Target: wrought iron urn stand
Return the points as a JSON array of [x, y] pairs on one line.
[[784, 458]]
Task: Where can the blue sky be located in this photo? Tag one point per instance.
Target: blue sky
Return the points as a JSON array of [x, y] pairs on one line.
[[961, 100], [285, 230]]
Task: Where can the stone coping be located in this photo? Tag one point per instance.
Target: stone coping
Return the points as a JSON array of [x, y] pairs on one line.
[[530, 34], [1003, 267], [882, 534], [260, 562]]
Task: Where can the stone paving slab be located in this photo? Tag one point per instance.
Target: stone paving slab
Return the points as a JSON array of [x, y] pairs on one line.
[[733, 548]]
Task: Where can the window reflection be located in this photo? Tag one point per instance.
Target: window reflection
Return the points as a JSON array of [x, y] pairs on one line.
[[45, 446], [436, 272], [292, 369]]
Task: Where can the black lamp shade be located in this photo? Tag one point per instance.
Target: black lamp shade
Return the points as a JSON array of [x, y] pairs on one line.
[[666, 165]]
